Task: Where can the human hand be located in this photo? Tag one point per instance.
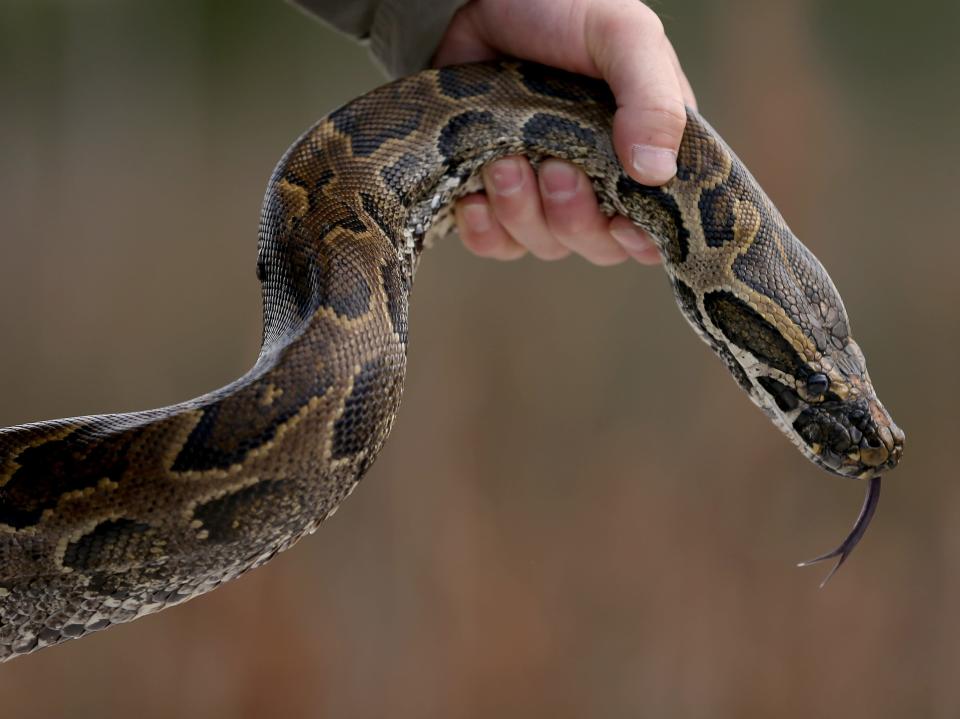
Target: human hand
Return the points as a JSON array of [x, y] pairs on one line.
[[555, 212]]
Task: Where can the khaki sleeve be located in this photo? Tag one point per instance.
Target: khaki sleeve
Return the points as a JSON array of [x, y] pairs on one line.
[[402, 34]]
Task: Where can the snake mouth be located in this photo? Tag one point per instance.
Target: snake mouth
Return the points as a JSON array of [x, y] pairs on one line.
[[857, 439]]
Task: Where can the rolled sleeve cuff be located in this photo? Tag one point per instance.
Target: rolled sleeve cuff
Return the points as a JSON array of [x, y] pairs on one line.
[[402, 35], [405, 33]]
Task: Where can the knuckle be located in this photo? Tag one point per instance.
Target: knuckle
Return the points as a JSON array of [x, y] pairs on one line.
[[651, 21], [604, 26], [622, 19], [669, 110], [663, 117]]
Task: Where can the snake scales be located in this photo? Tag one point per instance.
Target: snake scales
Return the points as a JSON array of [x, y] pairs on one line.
[[105, 519]]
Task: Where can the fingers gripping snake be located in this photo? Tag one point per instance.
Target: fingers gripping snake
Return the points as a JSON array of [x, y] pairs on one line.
[[105, 519]]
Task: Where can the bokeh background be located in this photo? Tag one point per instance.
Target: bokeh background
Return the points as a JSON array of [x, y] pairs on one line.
[[578, 512]]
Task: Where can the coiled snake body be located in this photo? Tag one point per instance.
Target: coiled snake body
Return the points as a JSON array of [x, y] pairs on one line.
[[105, 519]]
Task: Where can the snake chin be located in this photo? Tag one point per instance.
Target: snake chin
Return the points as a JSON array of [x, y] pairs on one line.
[[850, 438]]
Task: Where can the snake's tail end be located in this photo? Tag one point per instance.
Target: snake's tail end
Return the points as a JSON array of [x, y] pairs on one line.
[[856, 534]]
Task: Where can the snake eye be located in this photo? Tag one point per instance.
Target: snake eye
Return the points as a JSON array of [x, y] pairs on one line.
[[817, 384]]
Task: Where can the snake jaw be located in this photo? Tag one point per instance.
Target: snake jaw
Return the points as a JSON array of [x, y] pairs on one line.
[[856, 534]]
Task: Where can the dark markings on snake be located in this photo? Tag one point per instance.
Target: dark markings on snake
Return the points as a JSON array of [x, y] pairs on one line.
[[733, 366], [700, 154], [396, 289], [777, 283], [679, 248], [747, 329], [104, 583], [795, 292], [688, 303], [687, 300], [291, 259], [323, 179], [229, 517], [683, 235], [110, 543], [459, 85], [302, 280], [557, 134], [552, 83], [786, 397], [472, 128], [57, 467], [831, 397], [349, 295], [202, 451], [222, 438], [829, 425], [348, 220], [373, 209], [404, 175], [368, 128], [315, 194], [293, 178], [356, 426], [716, 215], [297, 265], [738, 372]]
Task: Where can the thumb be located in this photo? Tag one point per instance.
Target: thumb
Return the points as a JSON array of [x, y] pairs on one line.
[[627, 44]]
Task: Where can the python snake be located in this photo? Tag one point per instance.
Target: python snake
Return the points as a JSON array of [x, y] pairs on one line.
[[105, 519]]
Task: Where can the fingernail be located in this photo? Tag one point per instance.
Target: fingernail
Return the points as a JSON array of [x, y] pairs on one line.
[[506, 176], [654, 164], [630, 237], [560, 180], [477, 217]]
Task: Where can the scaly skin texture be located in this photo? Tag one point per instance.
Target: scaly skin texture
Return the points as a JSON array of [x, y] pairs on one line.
[[105, 519]]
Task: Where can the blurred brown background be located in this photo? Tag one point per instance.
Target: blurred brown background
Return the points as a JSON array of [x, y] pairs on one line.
[[578, 513]]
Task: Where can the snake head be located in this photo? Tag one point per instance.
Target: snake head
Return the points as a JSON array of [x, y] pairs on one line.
[[812, 383], [835, 416]]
